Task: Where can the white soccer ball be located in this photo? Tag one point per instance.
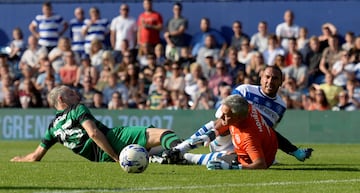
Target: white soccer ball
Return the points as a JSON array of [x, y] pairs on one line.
[[134, 158]]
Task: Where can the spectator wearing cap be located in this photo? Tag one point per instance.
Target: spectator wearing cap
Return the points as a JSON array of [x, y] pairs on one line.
[[209, 69]]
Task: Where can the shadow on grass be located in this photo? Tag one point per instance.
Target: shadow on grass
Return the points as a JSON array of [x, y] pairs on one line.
[[318, 167], [62, 188]]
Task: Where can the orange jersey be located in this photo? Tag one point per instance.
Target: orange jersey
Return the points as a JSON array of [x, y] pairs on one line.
[[253, 139]]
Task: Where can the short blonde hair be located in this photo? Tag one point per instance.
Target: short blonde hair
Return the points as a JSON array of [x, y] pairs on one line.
[[237, 104], [54, 94]]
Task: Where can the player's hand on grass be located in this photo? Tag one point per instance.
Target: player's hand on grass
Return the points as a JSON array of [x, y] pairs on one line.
[[19, 159]]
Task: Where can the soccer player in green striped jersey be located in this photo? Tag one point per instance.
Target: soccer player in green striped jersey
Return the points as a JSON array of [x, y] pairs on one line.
[[77, 129]]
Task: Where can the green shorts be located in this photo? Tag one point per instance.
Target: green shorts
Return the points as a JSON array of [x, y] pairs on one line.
[[120, 137]]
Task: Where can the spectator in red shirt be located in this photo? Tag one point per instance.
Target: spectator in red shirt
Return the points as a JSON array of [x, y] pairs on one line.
[[149, 24]]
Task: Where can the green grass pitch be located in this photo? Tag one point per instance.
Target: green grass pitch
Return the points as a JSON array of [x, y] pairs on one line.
[[332, 168]]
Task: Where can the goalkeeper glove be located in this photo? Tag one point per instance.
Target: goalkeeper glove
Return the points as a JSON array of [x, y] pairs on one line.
[[222, 165]]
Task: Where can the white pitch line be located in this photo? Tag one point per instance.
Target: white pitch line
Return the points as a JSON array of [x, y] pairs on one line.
[[201, 186]]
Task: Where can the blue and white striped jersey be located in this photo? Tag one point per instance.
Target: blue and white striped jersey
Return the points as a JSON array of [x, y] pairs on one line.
[[77, 38], [272, 109], [97, 30], [49, 28]]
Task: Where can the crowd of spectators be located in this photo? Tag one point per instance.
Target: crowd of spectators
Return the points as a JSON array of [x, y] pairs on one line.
[[146, 63]]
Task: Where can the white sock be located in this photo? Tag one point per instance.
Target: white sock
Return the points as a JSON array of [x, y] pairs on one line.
[[208, 126], [202, 159], [184, 146]]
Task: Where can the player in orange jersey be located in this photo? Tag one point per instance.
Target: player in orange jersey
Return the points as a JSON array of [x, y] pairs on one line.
[[255, 143]]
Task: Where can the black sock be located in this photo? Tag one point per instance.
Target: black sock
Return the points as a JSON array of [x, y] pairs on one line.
[[169, 140], [284, 144]]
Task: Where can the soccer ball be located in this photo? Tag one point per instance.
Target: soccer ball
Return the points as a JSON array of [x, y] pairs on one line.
[[134, 158]]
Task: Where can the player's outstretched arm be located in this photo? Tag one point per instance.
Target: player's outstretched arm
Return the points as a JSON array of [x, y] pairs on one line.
[[36, 155], [99, 138]]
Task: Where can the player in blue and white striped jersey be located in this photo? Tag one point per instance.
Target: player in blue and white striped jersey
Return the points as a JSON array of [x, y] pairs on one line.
[[271, 108], [269, 104], [95, 28], [48, 27], [77, 38]]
